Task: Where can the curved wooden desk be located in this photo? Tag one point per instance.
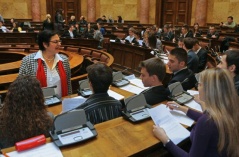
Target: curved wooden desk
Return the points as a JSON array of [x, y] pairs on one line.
[[117, 137]]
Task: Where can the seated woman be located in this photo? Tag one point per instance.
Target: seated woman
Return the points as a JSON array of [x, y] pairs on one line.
[[49, 67], [130, 37], [15, 28], [196, 31], [23, 114], [154, 42], [216, 132]]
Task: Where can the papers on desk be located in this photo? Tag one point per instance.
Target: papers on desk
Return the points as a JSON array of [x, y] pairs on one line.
[[49, 149], [112, 40], [132, 89], [115, 95], [192, 92], [71, 103], [138, 82], [162, 117]]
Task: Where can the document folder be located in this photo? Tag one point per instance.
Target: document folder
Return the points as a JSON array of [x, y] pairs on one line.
[[72, 127], [136, 108]]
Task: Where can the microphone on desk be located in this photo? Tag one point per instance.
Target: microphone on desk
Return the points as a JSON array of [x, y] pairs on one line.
[[180, 91], [118, 79]]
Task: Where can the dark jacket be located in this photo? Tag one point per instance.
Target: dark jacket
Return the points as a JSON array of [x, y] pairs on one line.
[[193, 61], [94, 111], [156, 94], [185, 75], [202, 56]]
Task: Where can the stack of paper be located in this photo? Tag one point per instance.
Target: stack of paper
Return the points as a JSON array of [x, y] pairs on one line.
[[162, 117], [138, 82], [71, 103], [49, 149], [132, 89]]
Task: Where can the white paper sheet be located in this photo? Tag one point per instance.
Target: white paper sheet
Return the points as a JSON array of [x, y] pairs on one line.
[[165, 120], [130, 77], [181, 117], [194, 105], [115, 95], [138, 82], [71, 103], [132, 89], [192, 92], [49, 149]]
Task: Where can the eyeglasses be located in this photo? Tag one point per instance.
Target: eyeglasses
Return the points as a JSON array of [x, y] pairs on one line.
[[56, 41]]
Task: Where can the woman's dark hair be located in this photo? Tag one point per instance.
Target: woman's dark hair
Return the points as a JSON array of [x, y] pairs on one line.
[[152, 39], [24, 114], [44, 37]]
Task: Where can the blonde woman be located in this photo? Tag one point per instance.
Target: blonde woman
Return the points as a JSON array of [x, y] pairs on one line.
[[47, 23], [216, 132]]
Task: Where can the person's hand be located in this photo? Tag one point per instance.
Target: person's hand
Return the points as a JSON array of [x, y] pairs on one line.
[[160, 134], [173, 105]]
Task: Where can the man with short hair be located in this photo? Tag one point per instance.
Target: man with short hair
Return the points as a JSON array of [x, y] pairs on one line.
[[185, 32], [178, 65], [230, 61], [201, 53], [230, 23], [193, 60], [100, 78], [70, 33], [212, 33], [153, 71], [167, 34]]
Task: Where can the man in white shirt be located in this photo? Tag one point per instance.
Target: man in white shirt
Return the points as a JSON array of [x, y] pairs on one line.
[[3, 28]]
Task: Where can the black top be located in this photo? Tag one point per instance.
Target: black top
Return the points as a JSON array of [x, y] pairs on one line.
[[202, 56], [236, 81], [185, 75], [209, 35], [101, 107], [156, 95], [47, 25], [193, 61]]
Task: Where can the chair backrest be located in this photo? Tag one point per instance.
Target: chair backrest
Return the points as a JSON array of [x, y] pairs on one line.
[[73, 49], [103, 110]]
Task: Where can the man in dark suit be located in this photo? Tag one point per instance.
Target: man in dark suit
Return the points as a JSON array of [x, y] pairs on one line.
[[230, 61], [186, 32], [202, 55], [153, 71], [212, 33], [70, 33], [167, 34], [178, 65], [193, 60], [100, 78]]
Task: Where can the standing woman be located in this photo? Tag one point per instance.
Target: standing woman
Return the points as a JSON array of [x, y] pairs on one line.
[[49, 67], [216, 132], [120, 20], [23, 114], [47, 23]]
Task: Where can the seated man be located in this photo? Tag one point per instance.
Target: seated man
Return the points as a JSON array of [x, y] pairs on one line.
[[230, 23], [104, 107], [167, 34], [70, 33], [3, 28], [178, 65], [186, 32], [153, 71], [230, 61], [193, 60], [201, 53], [212, 33]]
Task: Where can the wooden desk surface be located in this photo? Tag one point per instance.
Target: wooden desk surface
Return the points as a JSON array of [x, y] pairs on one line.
[[117, 137]]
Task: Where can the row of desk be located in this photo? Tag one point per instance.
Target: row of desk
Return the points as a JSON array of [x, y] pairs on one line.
[[116, 137]]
